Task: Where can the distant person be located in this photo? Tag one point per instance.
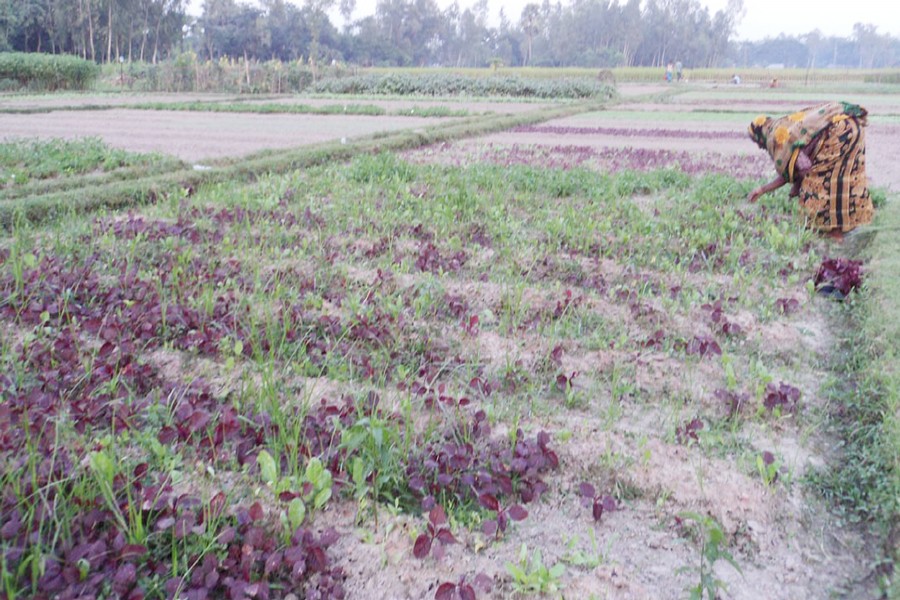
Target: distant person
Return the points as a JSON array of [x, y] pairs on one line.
[[669, 72], [773, 83], [736, 79], [821, 150], [678, 70]]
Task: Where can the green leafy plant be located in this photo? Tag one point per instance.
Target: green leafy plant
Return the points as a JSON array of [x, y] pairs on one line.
[[533, 576], [130, 519], [712, 546], [767, 466], [312, 490], [589, 559]]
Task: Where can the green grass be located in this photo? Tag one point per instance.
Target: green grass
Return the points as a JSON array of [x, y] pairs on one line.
[[329, 109], [24, 161], [116, 194], [864, 482]]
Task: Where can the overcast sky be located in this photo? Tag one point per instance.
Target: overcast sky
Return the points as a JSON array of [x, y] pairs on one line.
[[762, 18]]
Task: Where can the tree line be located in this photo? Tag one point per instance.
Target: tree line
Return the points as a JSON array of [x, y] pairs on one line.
[[586, 33]]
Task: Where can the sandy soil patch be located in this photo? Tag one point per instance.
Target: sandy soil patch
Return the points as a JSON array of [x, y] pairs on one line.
[[194, 136]]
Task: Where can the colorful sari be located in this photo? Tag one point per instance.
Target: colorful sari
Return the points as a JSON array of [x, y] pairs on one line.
[[834, 192]]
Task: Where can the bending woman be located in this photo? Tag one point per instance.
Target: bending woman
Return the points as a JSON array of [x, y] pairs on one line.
[[821, 150]]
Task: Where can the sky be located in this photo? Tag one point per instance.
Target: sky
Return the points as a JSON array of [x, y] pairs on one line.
[[762, 18]]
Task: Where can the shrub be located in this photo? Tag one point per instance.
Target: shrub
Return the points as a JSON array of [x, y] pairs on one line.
[[47, 71]]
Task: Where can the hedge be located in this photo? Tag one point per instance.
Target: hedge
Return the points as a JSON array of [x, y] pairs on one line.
[[47, 71]]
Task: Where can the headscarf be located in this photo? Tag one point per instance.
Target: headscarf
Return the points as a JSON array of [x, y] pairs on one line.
[[757, 130]]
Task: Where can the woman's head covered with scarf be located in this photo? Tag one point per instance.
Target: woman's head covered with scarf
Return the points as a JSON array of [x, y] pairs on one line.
[[758, 130]]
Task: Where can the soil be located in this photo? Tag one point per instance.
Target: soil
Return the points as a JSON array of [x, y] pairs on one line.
[[194, 136]]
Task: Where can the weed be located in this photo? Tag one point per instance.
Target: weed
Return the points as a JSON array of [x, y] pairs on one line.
[[712, 548], [532, 576]]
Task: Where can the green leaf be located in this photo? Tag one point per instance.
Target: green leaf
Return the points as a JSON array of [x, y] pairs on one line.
[[557, 570], [322, 498], [103, 466], [314, 470], [516, 573], [296, 513], [238, 348], [358, 470], [267, 467]]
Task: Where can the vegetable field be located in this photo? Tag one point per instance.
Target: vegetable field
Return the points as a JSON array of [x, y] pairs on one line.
[[562, 360]]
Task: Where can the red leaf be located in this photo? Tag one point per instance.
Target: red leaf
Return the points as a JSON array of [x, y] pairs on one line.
[[167, 435], [437, 516], [227, 536], [466, 592], [317, 559], [422, 546], [517, 513], [489, 502], [272, 563], [597, 511], [587, 490], [445, 591], [446, 537], [256, 512], [609, 503], [484, 582]]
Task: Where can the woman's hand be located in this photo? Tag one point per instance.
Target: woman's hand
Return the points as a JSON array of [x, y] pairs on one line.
[[769, 187], [804, 164]]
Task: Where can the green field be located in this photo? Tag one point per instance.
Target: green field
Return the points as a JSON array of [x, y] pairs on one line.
[[332, 372]]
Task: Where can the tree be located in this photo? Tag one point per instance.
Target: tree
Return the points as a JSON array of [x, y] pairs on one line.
[[531, 23]]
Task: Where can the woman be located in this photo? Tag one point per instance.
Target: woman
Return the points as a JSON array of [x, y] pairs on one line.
[[821, 150]]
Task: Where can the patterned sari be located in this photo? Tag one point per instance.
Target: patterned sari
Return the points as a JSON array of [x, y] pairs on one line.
[[834, 192]]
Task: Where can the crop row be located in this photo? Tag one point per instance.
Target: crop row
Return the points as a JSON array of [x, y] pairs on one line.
[[450, 84]]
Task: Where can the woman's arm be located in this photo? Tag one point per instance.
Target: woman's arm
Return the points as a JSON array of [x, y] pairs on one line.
[[769, 187]]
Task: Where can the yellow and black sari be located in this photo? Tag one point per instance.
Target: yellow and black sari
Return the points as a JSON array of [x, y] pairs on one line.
[[834, 191]]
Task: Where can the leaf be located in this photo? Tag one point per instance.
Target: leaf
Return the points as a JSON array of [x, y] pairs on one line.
[[437, 516], [446, 537], [296, 513], [272, 563], [609, 503], [517, 513], [489, 502], [322, 498], [314, 471], [466, 592], [516, 572], [445, 591], [103, 466], [256, 512], [557, 570], [267, 467], [587, 490], [597, 511], [422, 546]]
